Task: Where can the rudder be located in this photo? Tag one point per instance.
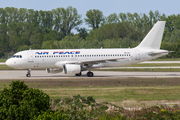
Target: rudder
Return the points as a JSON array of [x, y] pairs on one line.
[[154, 37]]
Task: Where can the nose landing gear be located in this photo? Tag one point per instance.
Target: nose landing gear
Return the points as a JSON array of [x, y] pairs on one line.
[[28, 73]]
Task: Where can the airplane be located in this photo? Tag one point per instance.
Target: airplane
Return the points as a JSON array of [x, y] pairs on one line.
[[74, 61]]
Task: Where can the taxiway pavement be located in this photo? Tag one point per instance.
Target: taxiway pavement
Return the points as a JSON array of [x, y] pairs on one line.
[[42, 74]]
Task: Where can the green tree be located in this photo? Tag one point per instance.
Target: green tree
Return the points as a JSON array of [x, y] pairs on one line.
[[21, 48], [82, 32], [46, 21], [66, 19], [48, 44], [36, 39], [94, 18], [113, 18], [21, 102], [1, 54]]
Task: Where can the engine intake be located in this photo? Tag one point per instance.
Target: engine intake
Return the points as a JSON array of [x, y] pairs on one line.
[[72, 69]]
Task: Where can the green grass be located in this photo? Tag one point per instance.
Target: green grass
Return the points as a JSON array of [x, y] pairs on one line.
[[3, 60], [5, 67], [166, 59], [142, 70], [113, 94], [154, 65]]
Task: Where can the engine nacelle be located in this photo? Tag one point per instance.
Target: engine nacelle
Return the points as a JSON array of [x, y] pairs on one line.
[[72, 69], [54, 70]]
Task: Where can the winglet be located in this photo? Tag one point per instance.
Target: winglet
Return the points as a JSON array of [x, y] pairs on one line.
[[154, 37]]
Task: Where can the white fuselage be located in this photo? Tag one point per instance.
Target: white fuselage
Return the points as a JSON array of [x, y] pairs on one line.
[[42, 59]]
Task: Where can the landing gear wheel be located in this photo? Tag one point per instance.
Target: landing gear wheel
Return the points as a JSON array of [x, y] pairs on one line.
[[90, 74], [28, 73], [79, 74]]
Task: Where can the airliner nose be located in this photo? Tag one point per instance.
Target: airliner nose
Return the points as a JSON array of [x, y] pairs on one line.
[[8, 62]]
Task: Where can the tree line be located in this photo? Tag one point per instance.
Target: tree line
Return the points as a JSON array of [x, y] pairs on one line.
[[22, 29]]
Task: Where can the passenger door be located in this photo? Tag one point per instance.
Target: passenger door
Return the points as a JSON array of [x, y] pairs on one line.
[[30, 56]]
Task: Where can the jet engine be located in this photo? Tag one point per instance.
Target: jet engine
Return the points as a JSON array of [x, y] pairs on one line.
[[72, 69], [54, 70]]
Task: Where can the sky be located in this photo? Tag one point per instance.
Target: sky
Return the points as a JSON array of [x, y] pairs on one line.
[[168, 7]]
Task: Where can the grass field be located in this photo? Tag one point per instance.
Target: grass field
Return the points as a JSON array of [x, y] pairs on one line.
[[3, 60], [142, 69], [166, 59], [5, 67], [154, 65], [119, 91]]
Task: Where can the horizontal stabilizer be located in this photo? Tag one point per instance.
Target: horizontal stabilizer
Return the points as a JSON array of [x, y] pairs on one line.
[[154, 53]]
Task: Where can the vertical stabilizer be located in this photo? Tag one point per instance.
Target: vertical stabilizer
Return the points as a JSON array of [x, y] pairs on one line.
[[154, 37]]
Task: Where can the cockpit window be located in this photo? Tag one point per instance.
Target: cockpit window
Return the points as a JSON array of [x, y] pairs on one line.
[[17, 56]]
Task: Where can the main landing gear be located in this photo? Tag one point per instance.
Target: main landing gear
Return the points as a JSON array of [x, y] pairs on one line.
[[28, 73], [90, 74]]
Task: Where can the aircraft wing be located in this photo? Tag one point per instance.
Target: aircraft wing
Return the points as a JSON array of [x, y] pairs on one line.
[[89, 63], [101, 60]]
